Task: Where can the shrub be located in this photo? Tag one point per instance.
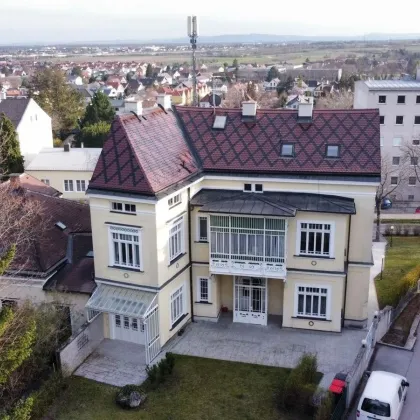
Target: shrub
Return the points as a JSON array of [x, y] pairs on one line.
[[170, 358], [162, 371], [325, 409], [397, 229], [21, 411], [152, 373], [307, 368], [408, 281], [58, 143], [157, 373], [406, 230], [416, 230], [387, 231]]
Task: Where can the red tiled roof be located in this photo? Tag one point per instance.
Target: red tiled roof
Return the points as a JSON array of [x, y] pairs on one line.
[[31, 183], [143, 155], [255, 147]]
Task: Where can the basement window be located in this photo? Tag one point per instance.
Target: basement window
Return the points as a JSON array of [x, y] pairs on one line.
[[288, 150], [333, 151], [219, 122]]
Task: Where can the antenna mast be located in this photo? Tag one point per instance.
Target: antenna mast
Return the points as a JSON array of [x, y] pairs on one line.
[[193, 34]]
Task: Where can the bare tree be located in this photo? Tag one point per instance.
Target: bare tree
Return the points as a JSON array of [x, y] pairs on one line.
[[411, 154], [340, 100], [392, 181]]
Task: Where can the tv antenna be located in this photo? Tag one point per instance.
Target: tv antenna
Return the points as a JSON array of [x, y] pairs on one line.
[[193, 34]]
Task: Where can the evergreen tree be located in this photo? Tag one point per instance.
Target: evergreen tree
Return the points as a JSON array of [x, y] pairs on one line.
[[98, 110], [94, 135], [149, 70], [11, 160], [235, 63], [272, 74]]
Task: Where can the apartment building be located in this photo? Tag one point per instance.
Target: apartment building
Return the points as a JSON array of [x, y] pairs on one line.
[[398, 102], [257, 213]]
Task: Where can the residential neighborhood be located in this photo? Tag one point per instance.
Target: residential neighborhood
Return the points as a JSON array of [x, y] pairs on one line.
[[209, 227]]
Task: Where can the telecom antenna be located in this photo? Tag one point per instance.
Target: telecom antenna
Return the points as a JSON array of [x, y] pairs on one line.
[[193, 34]]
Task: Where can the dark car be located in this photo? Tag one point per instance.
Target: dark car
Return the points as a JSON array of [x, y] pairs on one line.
[[386, 204], [417, 210]]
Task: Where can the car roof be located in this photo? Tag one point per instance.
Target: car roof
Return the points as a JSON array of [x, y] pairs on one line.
[[382, 386]]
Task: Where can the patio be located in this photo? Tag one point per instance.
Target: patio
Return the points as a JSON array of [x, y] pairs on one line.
[[116, 363], [269, 345]]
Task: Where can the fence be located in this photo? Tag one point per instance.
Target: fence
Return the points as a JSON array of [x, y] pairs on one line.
[[81, 345]]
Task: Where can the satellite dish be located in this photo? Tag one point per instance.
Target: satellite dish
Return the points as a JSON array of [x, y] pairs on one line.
[[217, 100]]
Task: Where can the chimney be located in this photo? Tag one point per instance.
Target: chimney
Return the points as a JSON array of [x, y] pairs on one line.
[[2, 96], [418, 73], [249, 109], [165, 101], [305, 109], [67, 148], [132, 105]]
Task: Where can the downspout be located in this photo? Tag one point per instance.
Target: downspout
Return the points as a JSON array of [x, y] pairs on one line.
[[190, 256], [347, 271]]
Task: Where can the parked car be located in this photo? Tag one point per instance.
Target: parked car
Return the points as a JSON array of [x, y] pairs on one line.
[[417, 210], [383, 397], [386, 204]]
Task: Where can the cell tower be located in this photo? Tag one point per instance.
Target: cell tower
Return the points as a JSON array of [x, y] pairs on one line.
[[193, 35]]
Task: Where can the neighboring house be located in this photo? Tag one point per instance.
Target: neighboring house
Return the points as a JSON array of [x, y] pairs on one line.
[[399, 107], [33, 184], [256, 212], [133, 87], [75, 80], [58, 266], [272, 84], [292, 101], [33, 125], [67, 169], [87, 94], [110, 92], [119, 88]]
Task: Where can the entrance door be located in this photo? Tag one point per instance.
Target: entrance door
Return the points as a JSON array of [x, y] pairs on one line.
[[250, 295], [127, 328]]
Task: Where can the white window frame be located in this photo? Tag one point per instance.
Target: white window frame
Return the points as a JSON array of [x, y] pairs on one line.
[[46, 181], [128, 230], [178, 295], [79, 185], [123, 207], [176, 199], [199, 237], [69, 182], [199, 295], [415, 181], [394, 142], [327, 316], [332, 235], [393, 177], [179, 225]]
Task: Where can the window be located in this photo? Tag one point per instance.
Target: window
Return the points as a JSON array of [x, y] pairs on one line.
[[176, 199], [399, 120], [416, 142], [418, 99], [258, 187], [417, 119], [400, 393], [382, 99], [410, 197], [312, 301], [125, 247], [382, 141], [382, 119], [401, 99], [396, 141], [288, 150], [414, 160], [123, 207], [126, 322], [376, 407], [203, 289], [219, 122], [46, 181], [333, 151], [315, 239], [203, 229], [118, 321], [396, 160], [394, 180], [248, 187], [176, 239], [81, 185], [412, 180], [177, 304], [68, 185]]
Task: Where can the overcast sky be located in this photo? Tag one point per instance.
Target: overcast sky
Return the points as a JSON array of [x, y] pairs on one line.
[[50, 21]]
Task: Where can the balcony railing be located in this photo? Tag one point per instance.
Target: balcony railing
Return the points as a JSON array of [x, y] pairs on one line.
[[249, 246]]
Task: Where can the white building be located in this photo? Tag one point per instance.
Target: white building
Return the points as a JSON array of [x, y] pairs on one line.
[[399, 107], [33, 125]]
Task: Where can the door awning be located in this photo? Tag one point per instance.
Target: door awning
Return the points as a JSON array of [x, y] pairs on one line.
[[120, 300]]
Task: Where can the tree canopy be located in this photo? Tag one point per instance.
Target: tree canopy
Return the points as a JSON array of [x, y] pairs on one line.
[[76, 71], [11, 160], [93, 135], [149, 70], [59, 100], [272, 74], [235, 63], [99, 109]]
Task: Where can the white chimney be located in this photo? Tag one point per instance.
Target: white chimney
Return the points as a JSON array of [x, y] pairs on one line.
[[2, 96], [249, 109], [305, 108], [418, 73], [132, 105], [164, 100]]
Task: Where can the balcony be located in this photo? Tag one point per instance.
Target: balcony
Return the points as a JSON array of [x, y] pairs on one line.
[[248, 246]]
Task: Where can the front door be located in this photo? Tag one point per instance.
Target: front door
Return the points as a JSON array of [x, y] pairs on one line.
[[127, 328], [250, 295]]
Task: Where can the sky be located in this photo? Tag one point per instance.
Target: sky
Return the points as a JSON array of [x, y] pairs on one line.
[[54, 21]]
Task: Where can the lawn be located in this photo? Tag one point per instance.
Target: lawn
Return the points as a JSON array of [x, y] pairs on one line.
[[402, 257], [199, 389]]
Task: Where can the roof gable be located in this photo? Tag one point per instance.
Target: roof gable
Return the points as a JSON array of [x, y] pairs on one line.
[[14, 109]]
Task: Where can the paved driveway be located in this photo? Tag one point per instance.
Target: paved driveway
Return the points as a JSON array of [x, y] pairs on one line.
[[115, 362], [270, 345]]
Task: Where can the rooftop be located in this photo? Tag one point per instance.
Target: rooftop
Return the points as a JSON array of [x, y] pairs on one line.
[[393, 84], [56, 159], [14, 109]]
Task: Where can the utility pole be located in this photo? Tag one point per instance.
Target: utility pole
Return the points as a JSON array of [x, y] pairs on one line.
[[193, 34]]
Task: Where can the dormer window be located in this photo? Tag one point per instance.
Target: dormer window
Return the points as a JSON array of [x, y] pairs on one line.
[[333, 151], [219, 122], [288, 150]]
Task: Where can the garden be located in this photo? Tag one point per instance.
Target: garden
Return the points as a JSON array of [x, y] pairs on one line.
[[199, 388]]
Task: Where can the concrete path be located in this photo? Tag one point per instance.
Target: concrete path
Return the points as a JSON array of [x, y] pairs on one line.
[[116, 363]]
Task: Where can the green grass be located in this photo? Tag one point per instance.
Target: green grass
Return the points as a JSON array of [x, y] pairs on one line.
[[400, 221], [403, 256], [199, 389]]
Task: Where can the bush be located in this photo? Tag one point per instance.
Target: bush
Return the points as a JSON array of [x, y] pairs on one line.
[[397, 229], [152, 373], [416, 230], [387, 231], [307, 368], [406, 230], [158, 373], [58, 143], [170, 358], [325, 409], [408, 281]]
